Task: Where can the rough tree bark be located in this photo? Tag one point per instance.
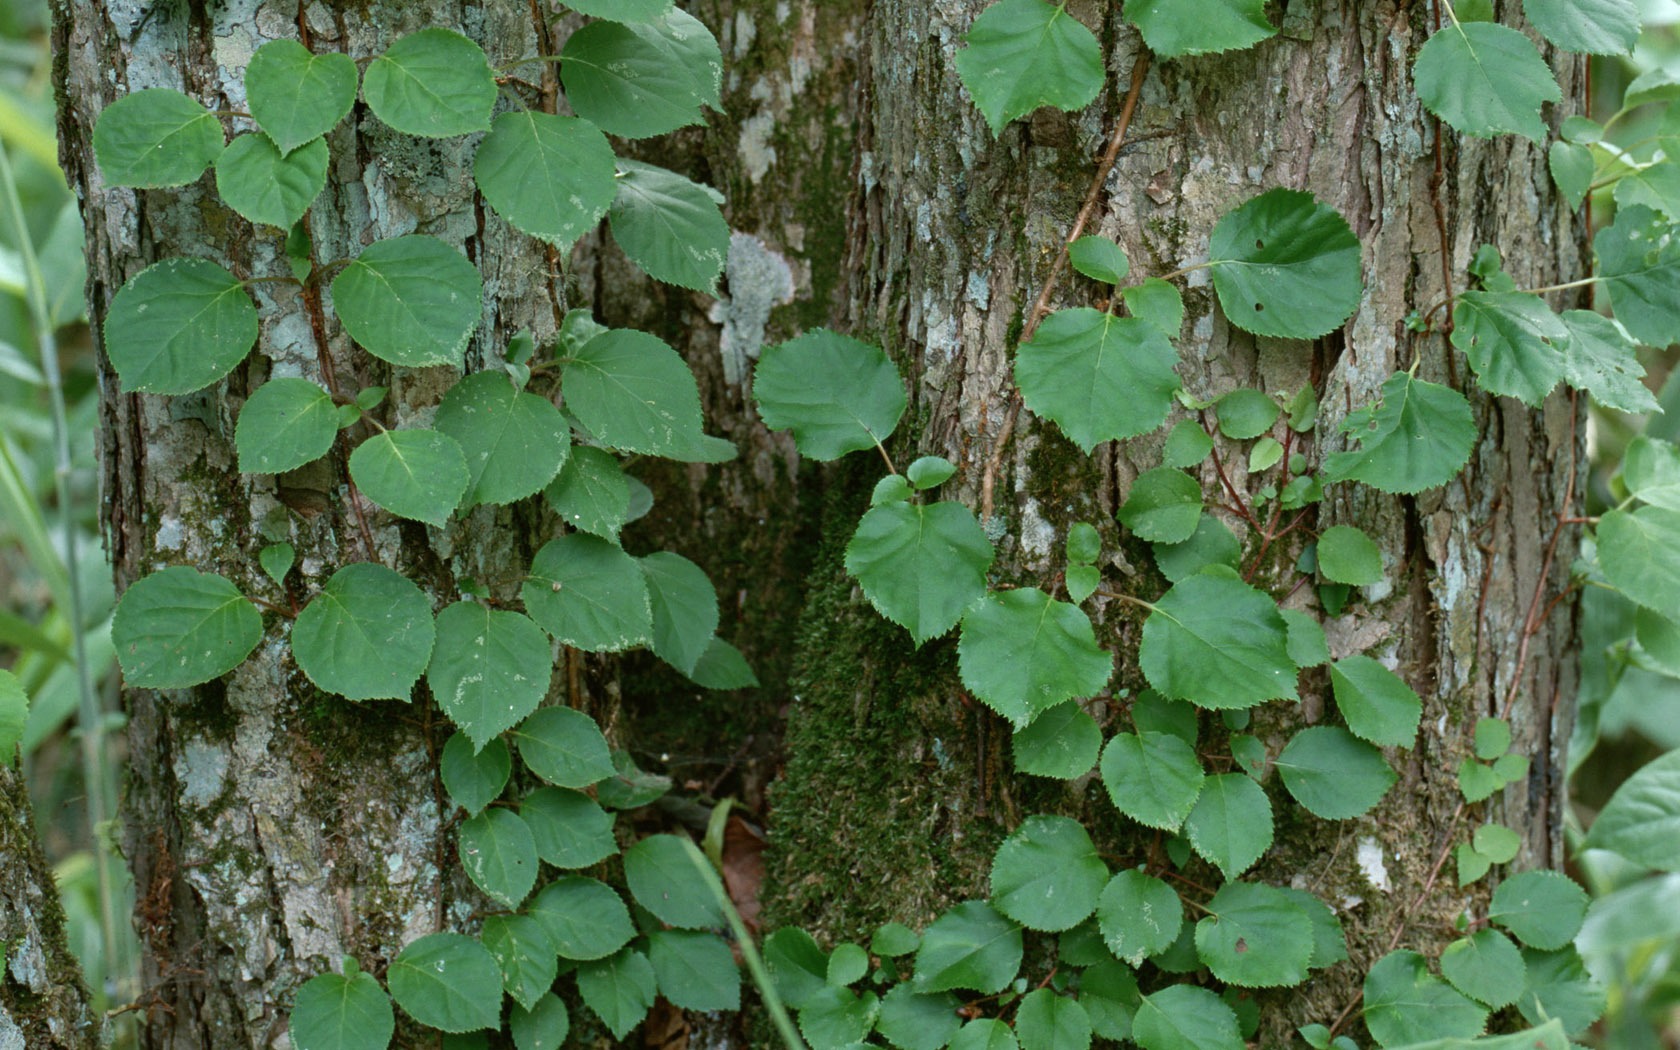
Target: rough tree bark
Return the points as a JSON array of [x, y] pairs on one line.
[[271, 827]]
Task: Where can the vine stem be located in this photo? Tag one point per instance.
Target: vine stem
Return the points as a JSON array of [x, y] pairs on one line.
[[1041, 307]]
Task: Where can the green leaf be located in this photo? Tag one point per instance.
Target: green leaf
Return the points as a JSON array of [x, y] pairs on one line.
[[1486, 966], [1559, 986], [892, 939], [568, 828], [1154, 778], [1639, 552], [473, 775], [1158, 303], [669, 226], [1543, 909], [1514, 342], [1329, 942], [1163, 506], [1187, 445], [1098, 377], [635, 80], [1484, 79], [349, 1012], [1418, 436], [1083, 544], [1651, 471], [285, 424], [1471, 865], [1246, 413], [985, 1034], [1639, 260], [1307, 645], [1219, 643], [180, 627], [564, 747], [1266, 454], [1597, 27], [1099, 259], [621, 10], [267, 186], [448, 982], [630, 787], [14, 716], [1642, 819], [1405, 1003], [155, 137], [551, 177], [1184, 1017], [1231, 823], [1022, 652], [1285, 265], [662, 879], [418, 474], [930, 472], [1047, 875], [920, 565], [847, 965], [543, 1026], [584, 918], [911, 1021], [1477, 781], [1109, 993], [1493, 738], [1045, 1020], [970, 947], [412, 301], [589, 594], [1601, 359], [1332, 773], [514, 442], [798, 968], [684, 607], [297, 96], [1378, 705], [1571, 166], [1173, 28], [499, 855], [435, 83], [179, 326], [634, 393], [835, 393], [490, 668], [1062, 743], [1656, 185], [838, 1019], [1023, 54], [620, 989], [366, 636], [696, 971], [1347, 555], [591, 493], [723, 667], [1256, 936], [1496, 842]]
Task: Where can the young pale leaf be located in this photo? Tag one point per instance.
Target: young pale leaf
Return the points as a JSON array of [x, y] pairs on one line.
[[911, 1021], [551, 177], [920, 565], [564, 747], [155, 137], [1492, 738], [1477, 781], [1154, 778], [1246, 413], [1218, 643], [847, 965], [584, 918], [1559, 986], [1187, 445], [297, 96], [435, 83], [591, 493], [349, 1012], [1484, 79], [489, 669], [1163, 506], [1062, 742], [1597, 27], [1405, 1003], [1639, 552], [1378, 705], [418, 474], [1416, 438], [1045, 1020], [971, 947], [473, 775], [1347, 555], [570, 830], [929, 472], [1601, 359], [1231, 823], [179, 326], [1514, 342], [265, 185], [366, 636], [634, 393], [1486, 966], [669, 226], [1656, 186], [1571, 166], [1256, 936], [1285, 265], [1047, 875], [1158, 303], [1185, 1017], [1639, 259], [1023, 652], [661, 878], [696, 971], [589, 594], [1334, 774], [499, 855], [684, 607], [1307, 644], [1099, 377], [1174, 28], [620, 989], [1099, 259], [835, 393], [985, 1034], [448, 982], [543, 1026], [514, 442], [632, 79], [181, 627], [412, 301], [285, 424], [1023, 54]]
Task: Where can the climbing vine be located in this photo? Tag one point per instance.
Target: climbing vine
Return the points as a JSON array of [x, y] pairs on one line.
[[1066, 945]]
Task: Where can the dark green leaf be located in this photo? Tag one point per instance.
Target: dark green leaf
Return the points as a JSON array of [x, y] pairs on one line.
[[1047, 875], [589, 594], [1256, 936], [1484, 79], [1333, 774], [448, 982], [837, 394], [499, 855], [179, 326], [591, 493], [435, 83], [366, 636], [969, 947], [1184, 1017], [1163, 506], [920, 565], [551, 177], [1601, 359], [1022, 653], [297, 96], [1639, 260], [285, 424], [474, 778], [1572, 170], [663, 880], [1099, 259], [1023, 54], [1347, 555], [1543, 909], [1245, 414], [349, 1012], [514, 442], [1378, 705], [1416, 438], [1405, 1003], [1109, 993], [569, 829], [1486, 966], [1154, 778], [1158, 303], [543, 1026], [1559, 986], [1173, 28], [490, 668], [620, 989], [584, 918], [838, 1018], [155, 137], [1307, 646], [180, 627], [797, 966], [634, 393], [1045, 1020], [418, 474], [1099, 377], [1597, 27], [412, 301], [1329, 942], [1211, 544], [1642, 819], [265, 185], [1187, 445], [1231, 823], [696, 971], [1062, 743], [669, 226], [564, 747], [722, 666], [1514, 342], [911, 1021], [684, 607], [635, 79], [1219, 643], [1285, 265]]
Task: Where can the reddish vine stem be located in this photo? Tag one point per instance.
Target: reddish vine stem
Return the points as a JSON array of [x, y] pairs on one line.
[[1041, 307], [318, 328]]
